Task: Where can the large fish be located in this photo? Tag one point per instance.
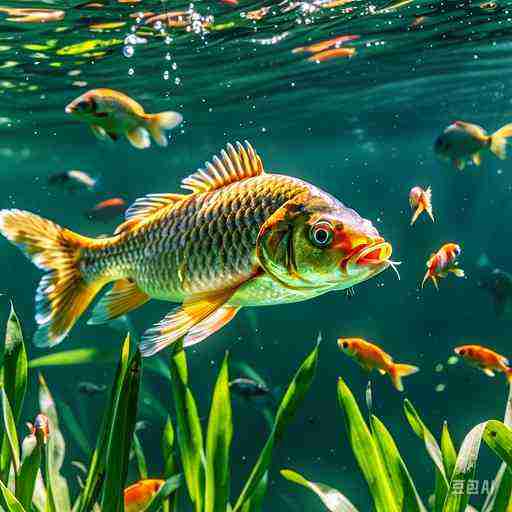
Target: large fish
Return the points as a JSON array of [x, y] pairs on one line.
[[242, 237]]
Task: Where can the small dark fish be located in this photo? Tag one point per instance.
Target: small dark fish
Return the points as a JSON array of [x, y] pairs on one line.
[[107, 210], [72, 179], [249, 388], [499, 284], [89, 388]]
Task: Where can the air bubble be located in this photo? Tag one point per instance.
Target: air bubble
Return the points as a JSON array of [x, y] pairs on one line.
[[128, 51], [166, 75], [158, 25], [131, 71]]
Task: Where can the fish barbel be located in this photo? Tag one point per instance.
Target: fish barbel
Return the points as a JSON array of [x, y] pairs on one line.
[[242, 237]]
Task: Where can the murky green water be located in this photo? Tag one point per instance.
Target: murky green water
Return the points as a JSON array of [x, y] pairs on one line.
[[360, 127]]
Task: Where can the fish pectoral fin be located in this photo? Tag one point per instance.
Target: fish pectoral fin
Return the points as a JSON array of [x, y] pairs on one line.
[[99, 132], [382, 372], [477, 158], [123, 297], [139, 138], [459, 163], [488, 372], [184, 318]]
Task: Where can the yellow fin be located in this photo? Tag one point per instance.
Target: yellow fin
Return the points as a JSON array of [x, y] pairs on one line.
[[382, 372], [99, 132], [398, 371], [181, 320], [498, 142], [234, 165], [124, 296], [158, 123], [145, 207], [139, 138], [457, 271], [488, 372], [477, 158], [63, 293]]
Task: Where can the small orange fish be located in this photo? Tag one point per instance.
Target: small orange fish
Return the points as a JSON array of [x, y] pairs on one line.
[[111, 114], [485, 359], [40, 428], [418, 21], [442, 262], [370, 356], [331, 54], [422, 201], [258, 14], [29, 15], [108, 209], [325, 45], [138, 496]]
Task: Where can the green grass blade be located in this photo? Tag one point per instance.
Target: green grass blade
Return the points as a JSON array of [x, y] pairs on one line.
[[190, 435], [403, 486], [32, 453], [96, 472], [74, 357], [120, 438], [366, 452], [448, 451], [51, 505], [11, 501], [74, 427], [218, 444], [170, 465], [333, 500], [14, 377], [10, 432], [171, 485], [255, 504], [140, 457], [291, 401]]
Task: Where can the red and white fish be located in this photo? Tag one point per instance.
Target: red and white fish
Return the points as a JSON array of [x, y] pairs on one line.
[[442, 262], [111, 114]]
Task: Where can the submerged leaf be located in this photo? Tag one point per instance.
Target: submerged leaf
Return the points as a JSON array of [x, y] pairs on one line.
[[87, 46], [11, 501], [170, 486], [75, 356], [10, 432], [32, 451], [333, 500], [140, 457], [255, 504]]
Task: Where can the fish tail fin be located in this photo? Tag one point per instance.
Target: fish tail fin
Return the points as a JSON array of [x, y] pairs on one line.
[[508, 374], [158, 123], [401, 370], [63, 293], [428, 206], [499, 138], [417, 213]]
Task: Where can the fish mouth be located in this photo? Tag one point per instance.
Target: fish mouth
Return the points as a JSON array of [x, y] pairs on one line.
[[375, 256]]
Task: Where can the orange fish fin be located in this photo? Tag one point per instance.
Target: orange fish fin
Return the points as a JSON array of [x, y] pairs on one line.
[[210, 324], [139, 138], [498, 143], [182, 319], [398, 371], [158, 123], [124, 296], [145, 207], [235, 164], [477, 158], [417, 213], [63, 293]]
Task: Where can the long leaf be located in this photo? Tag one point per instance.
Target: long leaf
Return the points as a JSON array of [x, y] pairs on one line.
[[170, 465], [32, 450], [140, 457], [190, 436], [11, 501], [10, 431], [291, 401], [255, 503], [333, 500], [14, 377], [366, 452], [405, 491], [218, 444], [74, 357], [120, 438], [171, 485], [96, 471], [74, 427]]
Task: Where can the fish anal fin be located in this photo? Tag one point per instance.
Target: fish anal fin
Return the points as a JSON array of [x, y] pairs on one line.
[[477, 158], [210, 324], [139, 138], [182, 319], [125, 296], [234, 164], [145, 207]]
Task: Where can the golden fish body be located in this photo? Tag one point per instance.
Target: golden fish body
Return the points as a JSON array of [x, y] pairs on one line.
[[243, 237]]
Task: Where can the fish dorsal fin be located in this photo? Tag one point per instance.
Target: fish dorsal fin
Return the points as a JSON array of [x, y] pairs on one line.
[[146, 206], [234, 164]]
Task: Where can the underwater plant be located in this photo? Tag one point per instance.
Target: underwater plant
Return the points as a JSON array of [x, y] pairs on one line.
[[30, 471], [389, 481]]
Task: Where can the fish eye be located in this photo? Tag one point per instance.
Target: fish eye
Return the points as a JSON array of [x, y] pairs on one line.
[[345, 344], [321, 234], [462, 352]]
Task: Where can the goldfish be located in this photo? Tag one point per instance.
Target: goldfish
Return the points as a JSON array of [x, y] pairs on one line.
[[442, 262], [40, 428], [241, 237], [370, 356], [29, 15], [462, 141], [139, 495], [325, 45], [111, 114], [73, 179], [107, 209], [485, 359], [331, 54], [422, 201]]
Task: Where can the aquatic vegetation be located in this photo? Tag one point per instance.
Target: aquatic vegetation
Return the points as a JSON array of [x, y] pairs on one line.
[[31, 478], [390, 483]]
